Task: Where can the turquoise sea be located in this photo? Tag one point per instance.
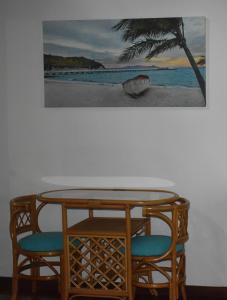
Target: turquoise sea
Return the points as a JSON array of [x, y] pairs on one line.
[[164, 77]]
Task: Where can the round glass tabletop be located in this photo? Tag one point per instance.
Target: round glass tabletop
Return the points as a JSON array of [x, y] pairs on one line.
[[126, 196]]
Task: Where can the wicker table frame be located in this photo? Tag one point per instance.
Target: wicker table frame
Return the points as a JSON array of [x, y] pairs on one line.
[[97, 251]]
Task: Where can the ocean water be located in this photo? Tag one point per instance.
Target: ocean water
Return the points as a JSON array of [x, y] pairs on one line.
[[171, 77]]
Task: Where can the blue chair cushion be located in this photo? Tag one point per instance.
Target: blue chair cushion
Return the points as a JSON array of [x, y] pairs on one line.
[[42, 242], [153, 245]]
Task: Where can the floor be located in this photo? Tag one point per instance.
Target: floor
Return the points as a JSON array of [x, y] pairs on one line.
[[49, 293], [6, 296]]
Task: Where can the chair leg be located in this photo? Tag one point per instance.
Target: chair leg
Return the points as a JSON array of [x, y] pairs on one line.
[[177, 291], [183, 279], [173, 292], [35, 273], [134, 292], [62, 280], [153, 292], [14, 287], [14, 278], [174, 282], [183, 292]]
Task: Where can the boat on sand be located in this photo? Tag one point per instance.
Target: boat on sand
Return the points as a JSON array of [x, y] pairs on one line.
[[136, 86]]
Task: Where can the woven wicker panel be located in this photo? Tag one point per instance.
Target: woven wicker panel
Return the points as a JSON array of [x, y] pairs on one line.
[[97, 262], [23, 219], [182, 218], [140, 231]]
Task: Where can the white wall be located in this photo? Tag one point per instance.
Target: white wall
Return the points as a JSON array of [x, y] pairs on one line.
[[4, 166], [185, 145]]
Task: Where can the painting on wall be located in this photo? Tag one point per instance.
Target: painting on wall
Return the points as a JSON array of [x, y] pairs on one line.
[[146, 62]]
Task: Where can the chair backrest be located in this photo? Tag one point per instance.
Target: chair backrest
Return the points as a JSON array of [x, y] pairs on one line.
[[175, 215], [23, 216]]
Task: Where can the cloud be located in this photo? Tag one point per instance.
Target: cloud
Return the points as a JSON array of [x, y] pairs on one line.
[[96, 34], [195, 34], [97, 40]]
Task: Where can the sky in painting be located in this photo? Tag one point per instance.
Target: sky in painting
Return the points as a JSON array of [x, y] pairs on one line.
[[96, 39]]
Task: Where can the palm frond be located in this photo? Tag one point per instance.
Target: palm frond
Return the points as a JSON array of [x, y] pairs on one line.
[[153, 28], [160, 48], [121, 24], [159, 32], [138, 48]]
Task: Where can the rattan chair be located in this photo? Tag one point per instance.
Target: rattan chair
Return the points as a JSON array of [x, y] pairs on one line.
[[33, 249], [159, 260]]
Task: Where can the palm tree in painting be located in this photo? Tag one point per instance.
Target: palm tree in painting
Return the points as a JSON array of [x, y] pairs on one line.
[[155, 36]]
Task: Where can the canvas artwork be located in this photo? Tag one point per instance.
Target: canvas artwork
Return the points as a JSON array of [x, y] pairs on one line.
[[147, 62]]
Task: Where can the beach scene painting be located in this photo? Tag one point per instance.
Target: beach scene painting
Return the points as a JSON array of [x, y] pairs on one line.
[[140, 62]]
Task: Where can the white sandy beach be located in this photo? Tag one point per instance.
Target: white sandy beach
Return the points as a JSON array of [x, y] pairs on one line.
[[80, 94]]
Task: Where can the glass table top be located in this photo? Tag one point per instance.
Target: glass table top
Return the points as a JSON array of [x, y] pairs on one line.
[[108, 195]]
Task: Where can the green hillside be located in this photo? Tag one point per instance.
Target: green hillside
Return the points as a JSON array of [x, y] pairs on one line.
[[60, 62]]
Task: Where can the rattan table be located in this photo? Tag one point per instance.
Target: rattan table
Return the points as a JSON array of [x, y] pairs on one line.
[[97, 250]]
